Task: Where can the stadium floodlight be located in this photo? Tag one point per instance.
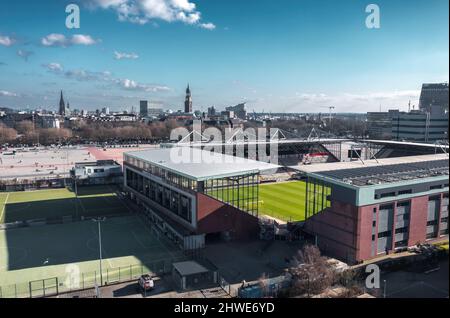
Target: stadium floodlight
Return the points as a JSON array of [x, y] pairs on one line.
[[99, 220]]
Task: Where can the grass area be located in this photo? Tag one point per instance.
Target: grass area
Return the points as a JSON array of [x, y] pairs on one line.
[[58, 203], [285, 200], [71, 251]]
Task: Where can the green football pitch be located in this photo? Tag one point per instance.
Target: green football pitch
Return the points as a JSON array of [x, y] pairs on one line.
[[285, 201], [54, 204], [70, 252]]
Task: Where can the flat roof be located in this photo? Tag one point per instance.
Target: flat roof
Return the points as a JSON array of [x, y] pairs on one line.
[[384, 171], [405, 143], [189, 268], [254, 142], [320, 167], [200, 164]]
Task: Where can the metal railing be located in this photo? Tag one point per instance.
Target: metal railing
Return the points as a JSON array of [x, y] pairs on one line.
[[86, 280]]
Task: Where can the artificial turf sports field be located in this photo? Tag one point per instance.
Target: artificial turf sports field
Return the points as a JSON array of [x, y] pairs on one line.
[[54, 204], [55, 250]]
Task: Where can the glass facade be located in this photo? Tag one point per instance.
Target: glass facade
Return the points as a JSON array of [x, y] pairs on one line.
[[318, 195], [164, 196], [240, 191]]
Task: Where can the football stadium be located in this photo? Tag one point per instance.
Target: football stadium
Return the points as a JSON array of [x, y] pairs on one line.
[[355, 200]]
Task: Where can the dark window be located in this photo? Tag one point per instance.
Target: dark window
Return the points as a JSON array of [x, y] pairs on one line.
[[401, 192], [443, 220], [374, 223], [403, 243], [401, 230], [374, 210], [404, 203], [384, 234], [387, 194], [373, 237], [439, 186], [431, 235], [434, 198], [387, 207], [429, 223]]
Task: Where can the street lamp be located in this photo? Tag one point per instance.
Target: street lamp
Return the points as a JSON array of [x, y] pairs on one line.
[[98, 220], [384, 288]]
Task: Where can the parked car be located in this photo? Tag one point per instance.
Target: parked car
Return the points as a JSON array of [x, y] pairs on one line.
[[146, 283]]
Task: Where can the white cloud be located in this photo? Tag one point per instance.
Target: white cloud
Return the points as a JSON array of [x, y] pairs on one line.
[[6, 40], [24, 54], [208, 26], [61, 40], [121, 56], [103, 77], [8, 94], [81, 39], [135, 86], [53, 67], [143, 11], [349, 102]]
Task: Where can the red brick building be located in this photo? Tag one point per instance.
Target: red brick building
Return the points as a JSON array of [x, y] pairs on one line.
[[358, 211]]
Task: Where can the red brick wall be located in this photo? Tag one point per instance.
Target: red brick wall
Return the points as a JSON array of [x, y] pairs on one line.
[[336, 228], [345, 231], [418, 220], [215, 216], [364, 235]]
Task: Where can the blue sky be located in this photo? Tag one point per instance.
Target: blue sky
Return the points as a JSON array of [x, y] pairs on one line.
[[280, 56]]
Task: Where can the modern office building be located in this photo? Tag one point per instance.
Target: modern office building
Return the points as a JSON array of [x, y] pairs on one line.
[[420, 126], [416, 125], [143, 108], [181, 197], [434, 95], [239, 111], [358, 211], [379, 125]]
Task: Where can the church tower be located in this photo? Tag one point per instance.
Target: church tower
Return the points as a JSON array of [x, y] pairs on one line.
[[62, 105], [188, 101]]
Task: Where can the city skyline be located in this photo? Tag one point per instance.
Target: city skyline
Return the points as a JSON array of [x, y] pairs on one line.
[[275, 58]]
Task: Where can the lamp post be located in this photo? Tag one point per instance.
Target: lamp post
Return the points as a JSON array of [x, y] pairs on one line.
[[384, 288], [98, 220]]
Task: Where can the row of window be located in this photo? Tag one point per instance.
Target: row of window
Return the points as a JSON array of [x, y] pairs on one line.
[[173, 201], [407, 191], [164, 174]]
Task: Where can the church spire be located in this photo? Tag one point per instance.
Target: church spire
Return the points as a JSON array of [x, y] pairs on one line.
[[62, 105]]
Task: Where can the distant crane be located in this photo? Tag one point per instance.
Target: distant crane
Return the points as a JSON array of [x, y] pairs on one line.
[[330, 114]]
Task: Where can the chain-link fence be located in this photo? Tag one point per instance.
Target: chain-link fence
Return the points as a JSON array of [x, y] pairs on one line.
[[75, 280]]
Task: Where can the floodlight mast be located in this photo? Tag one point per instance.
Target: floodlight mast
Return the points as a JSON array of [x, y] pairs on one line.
[[98, 220]]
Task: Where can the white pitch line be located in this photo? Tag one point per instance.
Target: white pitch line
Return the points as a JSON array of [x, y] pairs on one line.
[[4, 207]]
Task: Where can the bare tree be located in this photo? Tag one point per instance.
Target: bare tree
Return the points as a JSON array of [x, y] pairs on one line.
[[7, 135], [312, 274]]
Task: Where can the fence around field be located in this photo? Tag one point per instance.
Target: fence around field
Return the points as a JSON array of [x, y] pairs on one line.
[[76, 281]]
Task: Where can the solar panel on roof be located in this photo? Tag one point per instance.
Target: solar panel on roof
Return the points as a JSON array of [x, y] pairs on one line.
[[389, 173]]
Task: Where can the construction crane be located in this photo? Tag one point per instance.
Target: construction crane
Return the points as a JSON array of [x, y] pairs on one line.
[[330, 109]]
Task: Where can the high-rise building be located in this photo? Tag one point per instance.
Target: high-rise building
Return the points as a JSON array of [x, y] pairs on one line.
[[188, 101], [143, 108], [434, 95], [238, 110]]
